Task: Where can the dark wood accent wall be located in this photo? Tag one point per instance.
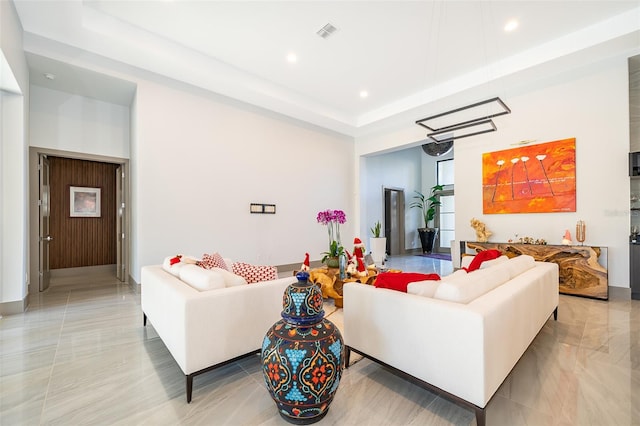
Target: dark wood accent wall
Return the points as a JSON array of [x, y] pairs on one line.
[[81, 241]]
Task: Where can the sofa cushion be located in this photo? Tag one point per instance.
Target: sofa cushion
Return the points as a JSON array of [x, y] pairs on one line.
[[214, 260], [465, 288], [466, 261], [519, 264], [229, 262], [201, 279], [426, 288], [399, 280], [172, 269], [481, 257], [455, 275], [230, 279], [255, 273]]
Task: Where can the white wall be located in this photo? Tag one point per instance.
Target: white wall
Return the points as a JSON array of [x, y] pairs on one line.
[[199, 161], [592, 106], [73, 123], [409, 169], [589, 103], [13, 161]]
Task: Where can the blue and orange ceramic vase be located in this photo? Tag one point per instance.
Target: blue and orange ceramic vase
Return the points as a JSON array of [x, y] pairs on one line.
[[302, 355]]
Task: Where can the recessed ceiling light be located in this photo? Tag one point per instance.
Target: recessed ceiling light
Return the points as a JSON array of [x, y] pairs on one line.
[[511, 25], [292, 58], [49, 76], [364, 94]]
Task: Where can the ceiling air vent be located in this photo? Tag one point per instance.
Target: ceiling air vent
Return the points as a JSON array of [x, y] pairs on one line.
[[326, 31]]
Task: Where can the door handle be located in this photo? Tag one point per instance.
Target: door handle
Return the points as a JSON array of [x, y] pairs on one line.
[[47, 238]]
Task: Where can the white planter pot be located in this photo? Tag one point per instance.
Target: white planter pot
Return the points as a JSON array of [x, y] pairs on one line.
[[378, 249]]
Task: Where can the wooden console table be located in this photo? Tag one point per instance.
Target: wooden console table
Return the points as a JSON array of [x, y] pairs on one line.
[[581, 271]]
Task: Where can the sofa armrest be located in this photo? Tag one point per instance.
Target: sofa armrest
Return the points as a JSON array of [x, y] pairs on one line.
[[202, 329], [426, 338]]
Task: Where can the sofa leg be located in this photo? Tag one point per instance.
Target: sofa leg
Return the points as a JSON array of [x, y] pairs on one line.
[[555, 314], [347, 356], [189, 384], [480, 416], [144, 319]]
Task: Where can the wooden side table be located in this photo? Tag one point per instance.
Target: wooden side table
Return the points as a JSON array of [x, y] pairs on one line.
[[331, 285]]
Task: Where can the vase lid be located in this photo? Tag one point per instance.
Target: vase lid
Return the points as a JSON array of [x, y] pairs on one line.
[[302, 302]]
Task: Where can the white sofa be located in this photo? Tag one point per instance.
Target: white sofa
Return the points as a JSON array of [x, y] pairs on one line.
[[462, 349], [207, 329]]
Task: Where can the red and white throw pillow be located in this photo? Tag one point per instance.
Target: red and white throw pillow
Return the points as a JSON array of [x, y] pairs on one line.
[[255, 273], [214, 260]]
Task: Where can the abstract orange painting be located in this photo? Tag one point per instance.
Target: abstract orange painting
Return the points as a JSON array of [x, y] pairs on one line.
[[530, 179]]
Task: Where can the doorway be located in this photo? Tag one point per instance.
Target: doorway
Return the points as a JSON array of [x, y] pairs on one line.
[[48, 203], [394, 220]]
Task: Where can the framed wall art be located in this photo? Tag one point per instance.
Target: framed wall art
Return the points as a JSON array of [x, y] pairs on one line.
[[530, 179], [84, 202]]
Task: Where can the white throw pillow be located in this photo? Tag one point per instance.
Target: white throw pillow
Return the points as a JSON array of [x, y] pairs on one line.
[[466, 261], [230, 279], [201, 279], [518, 265], [493, 262], [465, 288], [229, 262], [426, 288], [172, 269], [457, 274]]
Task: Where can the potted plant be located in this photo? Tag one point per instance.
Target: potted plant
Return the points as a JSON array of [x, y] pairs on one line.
[[331, 258], [378, 244], [332, 219], [428, 204]]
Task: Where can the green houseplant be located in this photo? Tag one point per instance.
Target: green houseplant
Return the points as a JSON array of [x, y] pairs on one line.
[[378, 244], [375, 230], [331, 257], [427, 204]]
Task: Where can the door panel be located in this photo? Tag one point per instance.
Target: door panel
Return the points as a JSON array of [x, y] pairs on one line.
[[44, 237], [120, 272], [394, 220]]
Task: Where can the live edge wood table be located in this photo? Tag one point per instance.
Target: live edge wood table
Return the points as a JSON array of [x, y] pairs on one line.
[[581, 267], [331, 285]]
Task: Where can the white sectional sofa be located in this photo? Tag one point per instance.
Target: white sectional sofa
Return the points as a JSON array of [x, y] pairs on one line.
[[463, 335], [207, 329]]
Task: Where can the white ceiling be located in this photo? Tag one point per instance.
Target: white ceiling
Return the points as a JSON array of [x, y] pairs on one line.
[[404, 53]]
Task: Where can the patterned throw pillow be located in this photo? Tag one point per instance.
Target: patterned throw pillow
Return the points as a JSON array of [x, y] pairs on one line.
[[214, 260], [254, 273]]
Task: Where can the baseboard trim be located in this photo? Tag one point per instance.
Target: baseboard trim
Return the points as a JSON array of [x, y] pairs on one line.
[[619, 293], [74, 272], [296, 266], [15, 307], [134, 286]]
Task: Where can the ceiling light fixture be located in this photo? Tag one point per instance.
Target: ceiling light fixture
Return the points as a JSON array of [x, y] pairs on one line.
[[326, 30], [511, 25], [437, 149], [292, 58], [470, 120], [49, 76], [364, 94]]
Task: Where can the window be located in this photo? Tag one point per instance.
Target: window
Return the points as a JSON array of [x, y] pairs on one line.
[[445, 215], [445, 172]]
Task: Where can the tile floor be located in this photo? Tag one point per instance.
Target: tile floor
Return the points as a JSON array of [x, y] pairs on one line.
[[80, 356]]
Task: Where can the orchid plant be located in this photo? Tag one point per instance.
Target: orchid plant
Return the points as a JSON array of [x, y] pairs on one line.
[[332, 219]]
